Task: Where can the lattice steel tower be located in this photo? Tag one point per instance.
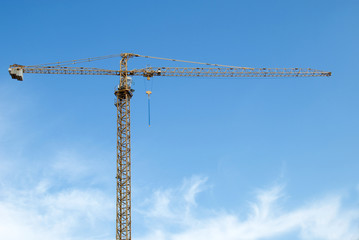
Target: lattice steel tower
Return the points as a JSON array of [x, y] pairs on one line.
[[123, 199]]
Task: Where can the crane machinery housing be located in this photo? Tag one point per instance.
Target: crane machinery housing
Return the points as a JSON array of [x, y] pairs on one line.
[[124, 93]]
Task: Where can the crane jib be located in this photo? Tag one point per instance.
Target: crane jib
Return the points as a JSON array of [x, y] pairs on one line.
[[17, 72]]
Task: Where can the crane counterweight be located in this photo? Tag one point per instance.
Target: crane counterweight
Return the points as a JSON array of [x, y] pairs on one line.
[[16, 72]]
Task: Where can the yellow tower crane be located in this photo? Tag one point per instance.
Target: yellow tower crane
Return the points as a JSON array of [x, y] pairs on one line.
[[124, 94]]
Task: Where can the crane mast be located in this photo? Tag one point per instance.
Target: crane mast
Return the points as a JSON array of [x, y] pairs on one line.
[[123, 196], [124, 93]]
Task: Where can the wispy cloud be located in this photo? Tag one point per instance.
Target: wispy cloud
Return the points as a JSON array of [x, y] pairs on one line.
[[191, 187], [324, 218], [67, 214], [40, 213], [40, 209], [46, 196], [169, 204]]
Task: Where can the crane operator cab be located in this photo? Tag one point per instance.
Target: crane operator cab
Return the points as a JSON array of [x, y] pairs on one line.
[[124, 90], [128, 83]]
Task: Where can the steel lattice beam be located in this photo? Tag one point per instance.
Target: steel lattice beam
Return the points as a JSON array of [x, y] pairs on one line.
[[17, 71]]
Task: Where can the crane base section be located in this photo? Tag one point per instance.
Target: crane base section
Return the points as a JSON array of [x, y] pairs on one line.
[[123, 177]]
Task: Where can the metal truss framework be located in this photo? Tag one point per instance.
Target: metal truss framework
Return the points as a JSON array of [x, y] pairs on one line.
[[124, 94], [17, 71], [123, 199]]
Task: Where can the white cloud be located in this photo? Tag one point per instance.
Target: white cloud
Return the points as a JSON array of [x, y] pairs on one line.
[[42, 206], [36, 203], [66, 214], [172, 203], [41, 212], [192, 187], [324, 218]]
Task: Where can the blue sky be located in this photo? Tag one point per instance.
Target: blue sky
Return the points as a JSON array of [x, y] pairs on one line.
[[224, 158]]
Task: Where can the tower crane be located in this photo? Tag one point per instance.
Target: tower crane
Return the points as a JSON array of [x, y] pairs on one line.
[[124, 93]]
